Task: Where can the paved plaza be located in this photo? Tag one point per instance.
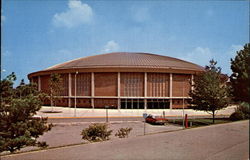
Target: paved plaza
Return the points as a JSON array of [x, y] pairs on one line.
[[66, 112]]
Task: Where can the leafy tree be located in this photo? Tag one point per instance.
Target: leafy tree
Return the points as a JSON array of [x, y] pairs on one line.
[[18, 128], [240, 78], [210, 90], [56, 87]]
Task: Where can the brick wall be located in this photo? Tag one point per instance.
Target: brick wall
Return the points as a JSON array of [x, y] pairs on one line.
[[45, 83], [181, 81], [65, 85], [101, 103], [34, 80], [178, 103], [81, 102], [62, 102], [105, 84]]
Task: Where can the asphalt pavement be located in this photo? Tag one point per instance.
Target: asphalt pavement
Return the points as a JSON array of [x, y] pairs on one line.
[[228, 141], [117, 119], [86, 119], [66, 112]]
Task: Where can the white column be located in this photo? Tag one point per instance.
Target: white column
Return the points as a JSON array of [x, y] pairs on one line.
[[145, 84], [119, 89], [69, 91], [39, 83], [70, 85], [145, 89], [171, 89], [75, 92], [92, 89], [192, 82]]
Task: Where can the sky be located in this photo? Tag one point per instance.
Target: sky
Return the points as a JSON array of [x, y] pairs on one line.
[[37, 34]]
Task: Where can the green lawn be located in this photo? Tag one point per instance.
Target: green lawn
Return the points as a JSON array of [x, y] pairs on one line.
[[200, 122]]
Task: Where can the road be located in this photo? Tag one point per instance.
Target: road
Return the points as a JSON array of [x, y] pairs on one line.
[[218, 142]]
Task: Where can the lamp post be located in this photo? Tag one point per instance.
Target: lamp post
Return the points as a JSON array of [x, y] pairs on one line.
[[75, 94], [183, 104], [107, 107]]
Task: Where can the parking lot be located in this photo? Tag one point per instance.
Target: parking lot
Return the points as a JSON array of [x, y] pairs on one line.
[[63, 134], [69, 133]]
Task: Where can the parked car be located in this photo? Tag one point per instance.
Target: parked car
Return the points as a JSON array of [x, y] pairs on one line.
[[156, 119]]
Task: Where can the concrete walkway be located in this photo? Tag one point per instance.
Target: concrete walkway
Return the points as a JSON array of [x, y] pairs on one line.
[[217, 142], [66, 112]]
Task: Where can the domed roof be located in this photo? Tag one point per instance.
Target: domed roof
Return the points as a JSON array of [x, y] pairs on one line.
[[127, 60], [123, 62]]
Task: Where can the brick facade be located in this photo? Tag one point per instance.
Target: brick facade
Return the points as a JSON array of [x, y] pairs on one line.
[[158, 84], [131, 86], [181, 85], [105, 84]]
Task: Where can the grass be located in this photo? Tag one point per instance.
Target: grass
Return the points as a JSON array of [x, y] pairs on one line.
[[200, 121]]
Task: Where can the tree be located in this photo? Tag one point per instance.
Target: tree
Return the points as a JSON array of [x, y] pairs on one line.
[[56, 87], [210, 90], [240, 78], [18, 128]]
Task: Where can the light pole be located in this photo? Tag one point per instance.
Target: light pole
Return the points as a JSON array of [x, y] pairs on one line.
[[107, 107], [183, 103], [75, 94]]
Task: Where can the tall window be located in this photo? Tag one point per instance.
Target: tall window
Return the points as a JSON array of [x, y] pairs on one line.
[[158, 85], [132, 84], [83, 83]]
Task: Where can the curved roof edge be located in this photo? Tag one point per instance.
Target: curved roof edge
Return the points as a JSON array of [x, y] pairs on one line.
[[124, 60]]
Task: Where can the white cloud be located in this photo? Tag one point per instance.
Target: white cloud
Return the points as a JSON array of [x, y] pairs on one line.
[[111, 46], [77, 14], [140, 14], [199, 55]]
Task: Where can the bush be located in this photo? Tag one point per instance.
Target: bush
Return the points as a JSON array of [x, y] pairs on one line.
[[123, 132], [245, 109], [96, 132], [241, 112], [236, 116]]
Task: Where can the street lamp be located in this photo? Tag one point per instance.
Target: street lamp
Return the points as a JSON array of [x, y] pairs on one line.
[[183, 103], [107, 107], [75, 94]]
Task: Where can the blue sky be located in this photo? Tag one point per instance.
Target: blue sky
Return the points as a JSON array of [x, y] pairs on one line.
[[38, 34]]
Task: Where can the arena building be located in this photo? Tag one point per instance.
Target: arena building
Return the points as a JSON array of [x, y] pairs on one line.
[[122, 80]]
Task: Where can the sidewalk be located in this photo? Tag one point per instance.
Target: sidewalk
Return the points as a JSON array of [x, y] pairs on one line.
[[66, 112]]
